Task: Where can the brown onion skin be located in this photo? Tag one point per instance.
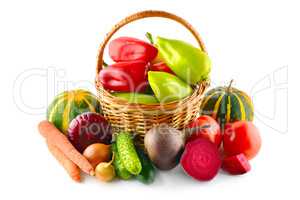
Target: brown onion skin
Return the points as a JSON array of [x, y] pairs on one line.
[[97, 153], [105, 172]]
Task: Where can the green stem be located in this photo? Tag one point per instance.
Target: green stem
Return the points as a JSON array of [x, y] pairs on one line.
[[149, 37], [229, 86], [105, 64]]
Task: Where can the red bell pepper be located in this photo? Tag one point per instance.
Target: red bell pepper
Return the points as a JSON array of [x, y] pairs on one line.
[[125, 76], [129, 49], [161, 66]]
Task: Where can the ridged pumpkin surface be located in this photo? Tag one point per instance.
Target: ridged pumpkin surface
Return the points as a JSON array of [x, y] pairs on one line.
[[227, 104], [67, 105]]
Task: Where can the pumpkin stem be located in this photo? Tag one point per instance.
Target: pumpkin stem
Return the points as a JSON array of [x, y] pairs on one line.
[[229, 86]]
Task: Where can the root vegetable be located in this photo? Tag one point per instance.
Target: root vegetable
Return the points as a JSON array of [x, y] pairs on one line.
[[164, 146], [68, 165], [201, 159], [53, 135], [97, 153], [105, 171]]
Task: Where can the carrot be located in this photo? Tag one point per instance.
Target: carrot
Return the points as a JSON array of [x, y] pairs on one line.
[[70, 167], [53, 135]]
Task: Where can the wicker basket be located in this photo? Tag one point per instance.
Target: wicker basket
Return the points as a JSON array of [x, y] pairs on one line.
[[137, 118]]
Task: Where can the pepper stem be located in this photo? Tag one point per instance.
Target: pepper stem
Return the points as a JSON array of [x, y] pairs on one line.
[[149, 37], [105, 64], [229, 86]]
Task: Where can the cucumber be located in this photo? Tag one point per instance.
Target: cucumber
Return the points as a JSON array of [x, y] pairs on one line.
[[127, 153], [121, 171], [148, 172]]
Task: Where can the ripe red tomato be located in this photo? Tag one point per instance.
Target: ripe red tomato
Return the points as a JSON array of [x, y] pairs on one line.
[[208, 129], [241, 137]]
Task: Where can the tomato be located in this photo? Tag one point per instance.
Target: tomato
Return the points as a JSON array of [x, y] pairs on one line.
[[241, 137], [207, 128]]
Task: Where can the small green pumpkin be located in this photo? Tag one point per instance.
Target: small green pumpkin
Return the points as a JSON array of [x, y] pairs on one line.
[[227, 104], [67, 105]]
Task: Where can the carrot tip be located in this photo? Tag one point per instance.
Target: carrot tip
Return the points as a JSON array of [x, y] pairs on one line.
[[77, 179]]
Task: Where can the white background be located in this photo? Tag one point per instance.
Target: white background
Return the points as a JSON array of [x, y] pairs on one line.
[[50, 46]]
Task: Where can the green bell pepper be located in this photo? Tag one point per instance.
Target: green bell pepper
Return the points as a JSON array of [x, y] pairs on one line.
[[167, 87], [189, 63], [136, 98]]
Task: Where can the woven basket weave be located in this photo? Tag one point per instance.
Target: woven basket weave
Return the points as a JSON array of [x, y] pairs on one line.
[[138, 118]]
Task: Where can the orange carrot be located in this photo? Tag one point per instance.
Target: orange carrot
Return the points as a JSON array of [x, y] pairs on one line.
[[53, 135], [70, 167]]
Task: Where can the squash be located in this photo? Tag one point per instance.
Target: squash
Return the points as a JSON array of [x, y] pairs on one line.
[[67, 105], [227, 104]]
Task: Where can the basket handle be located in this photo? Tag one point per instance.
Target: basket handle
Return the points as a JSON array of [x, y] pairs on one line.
[[141, 15]]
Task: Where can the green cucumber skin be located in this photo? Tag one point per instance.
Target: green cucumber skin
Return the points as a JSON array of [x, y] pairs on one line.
[[119, 167], [147, 174], [127, 153]]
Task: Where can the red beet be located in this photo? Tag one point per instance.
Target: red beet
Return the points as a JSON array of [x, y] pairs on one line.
[[236, 165], [89, 128], [201, 159]]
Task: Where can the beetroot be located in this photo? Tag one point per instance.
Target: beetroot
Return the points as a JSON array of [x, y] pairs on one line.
[[201, 159], [89, 128], [237, 164]]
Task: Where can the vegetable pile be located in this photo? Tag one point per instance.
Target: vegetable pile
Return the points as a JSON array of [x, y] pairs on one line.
[[223, 136]]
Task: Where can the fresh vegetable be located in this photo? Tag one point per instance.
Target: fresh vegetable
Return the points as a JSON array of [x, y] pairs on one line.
[[205, 127], [137, 98], [189, 63], [237, 164], [97, 153], [130, 49], [89, 128], [161, 66], [241, 137], [54, 136], [127, 153], [227, 104], [67, 105], [201, 159], [148, 172], [164, 146], [69, 166], [105, 171], [120, 169], [130, 76], [167, 87]]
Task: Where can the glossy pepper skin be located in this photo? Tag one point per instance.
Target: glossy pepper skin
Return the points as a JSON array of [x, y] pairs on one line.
[[130, 49], [186, 61], [125, 76], [167, 87], [161, 66], [136, 98]]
